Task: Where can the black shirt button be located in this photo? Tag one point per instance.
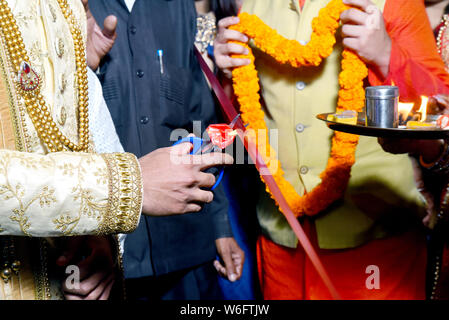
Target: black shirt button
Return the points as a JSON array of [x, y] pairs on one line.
[[144, 120], [140, 73], [133, 29]]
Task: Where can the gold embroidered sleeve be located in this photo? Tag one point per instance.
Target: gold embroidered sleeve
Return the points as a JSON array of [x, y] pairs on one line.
[[64, 194], [125, 194]]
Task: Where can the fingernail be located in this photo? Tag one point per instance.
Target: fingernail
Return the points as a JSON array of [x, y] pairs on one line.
[[232, 277]]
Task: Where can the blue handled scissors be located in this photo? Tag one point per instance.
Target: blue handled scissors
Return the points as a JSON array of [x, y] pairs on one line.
[[201, 146]]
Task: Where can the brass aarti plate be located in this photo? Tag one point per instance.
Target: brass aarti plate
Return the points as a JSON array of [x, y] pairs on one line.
[[402, 132]]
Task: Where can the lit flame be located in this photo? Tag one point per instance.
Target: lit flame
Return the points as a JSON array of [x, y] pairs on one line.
[[423, 109], [405, 109]]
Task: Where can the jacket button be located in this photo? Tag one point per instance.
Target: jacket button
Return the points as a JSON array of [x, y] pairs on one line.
[[300, 85], [304, 170], [300, 127], [133, 29], [144, 120], [140, 73]]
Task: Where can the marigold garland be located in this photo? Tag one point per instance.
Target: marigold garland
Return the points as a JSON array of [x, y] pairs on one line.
[[334, 179]]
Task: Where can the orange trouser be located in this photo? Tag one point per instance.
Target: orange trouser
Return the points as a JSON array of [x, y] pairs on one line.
[[287, 274]]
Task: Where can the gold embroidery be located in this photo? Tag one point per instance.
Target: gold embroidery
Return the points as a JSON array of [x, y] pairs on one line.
[[52, 12], [62, 116], [102, 174], [46, 196], [125, 194], [23, 18], [62, 83], [89, 206], [42, 281], [59, 47]]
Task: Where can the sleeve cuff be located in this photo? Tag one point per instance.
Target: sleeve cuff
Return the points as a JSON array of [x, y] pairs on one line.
[[125, 194]]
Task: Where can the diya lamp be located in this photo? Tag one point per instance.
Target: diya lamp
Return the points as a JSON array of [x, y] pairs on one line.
[[419, 120]]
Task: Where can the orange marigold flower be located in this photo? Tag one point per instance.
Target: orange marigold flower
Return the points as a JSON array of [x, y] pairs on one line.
[[334, 179]]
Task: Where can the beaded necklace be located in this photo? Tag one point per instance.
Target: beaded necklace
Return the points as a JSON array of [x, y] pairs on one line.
[[28, 82], [28, 86], [442, 29]]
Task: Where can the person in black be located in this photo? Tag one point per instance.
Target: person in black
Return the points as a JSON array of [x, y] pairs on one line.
[[165, 258]]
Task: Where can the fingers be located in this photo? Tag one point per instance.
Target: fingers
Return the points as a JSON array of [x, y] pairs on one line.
[[362, 4], [182, 148], [238, 262], [220, 268], [235, 48], [223, 49], [238, 256], [201, 196], [351, 43], [227, 22], [353, 16], [96, 293], [87, 285], [442, 99], [227, 35], [192, 207], [97, 287], [107, 292], [231, 271], [213, 159], [206, 180], [109, 27], [351, 31]]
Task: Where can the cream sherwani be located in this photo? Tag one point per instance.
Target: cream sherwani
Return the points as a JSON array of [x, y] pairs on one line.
[[58, 194]]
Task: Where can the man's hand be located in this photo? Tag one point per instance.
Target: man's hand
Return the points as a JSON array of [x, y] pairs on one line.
[[429, 150], [97, 269], [438, 104], [364, 32], [173, 180], [99, 42], [233, 258], [223, 50]]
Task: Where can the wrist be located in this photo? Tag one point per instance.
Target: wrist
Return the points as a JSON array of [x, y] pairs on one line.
[[382, 61]]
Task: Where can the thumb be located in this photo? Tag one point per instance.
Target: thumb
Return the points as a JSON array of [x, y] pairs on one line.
[[109, 26], [71, 248], [182, 148]]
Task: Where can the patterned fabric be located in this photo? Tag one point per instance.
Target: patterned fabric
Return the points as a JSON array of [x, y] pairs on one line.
[[58, 194], [101, 127]]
